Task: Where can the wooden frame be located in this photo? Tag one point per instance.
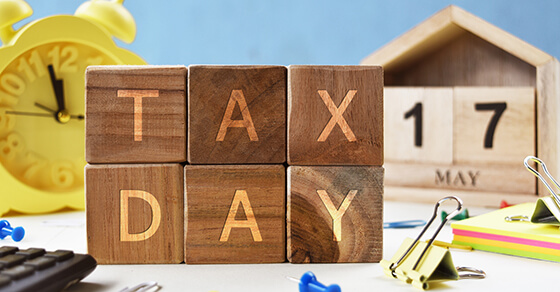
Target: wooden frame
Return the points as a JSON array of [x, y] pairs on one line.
[[439, 52]]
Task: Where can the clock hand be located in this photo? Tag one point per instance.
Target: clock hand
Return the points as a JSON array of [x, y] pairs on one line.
[[28, 114], [58, 88], [55, 113], [61, 115], [33, 114], [45, 108]]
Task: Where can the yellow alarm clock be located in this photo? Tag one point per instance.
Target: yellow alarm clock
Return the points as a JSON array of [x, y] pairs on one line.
[[42, 68]]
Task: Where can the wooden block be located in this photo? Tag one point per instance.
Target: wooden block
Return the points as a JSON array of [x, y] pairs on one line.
[[548, 107], [237, 114], [136, 114], [478, 198], [494, 125], [474, 177], [419, 124], [335, 115], [235, 214], [335, 214], [135, 213]]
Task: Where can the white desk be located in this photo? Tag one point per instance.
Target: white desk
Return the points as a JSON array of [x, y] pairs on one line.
[[504, 273]]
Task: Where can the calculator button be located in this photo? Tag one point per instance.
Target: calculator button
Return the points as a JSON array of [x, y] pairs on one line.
[[60, 255], [6, 250], [12, 260], [4, 280], [41, 262], [31, 253], [18, 272]]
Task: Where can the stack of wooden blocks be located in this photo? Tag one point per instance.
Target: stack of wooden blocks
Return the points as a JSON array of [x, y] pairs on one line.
[[234, 164]]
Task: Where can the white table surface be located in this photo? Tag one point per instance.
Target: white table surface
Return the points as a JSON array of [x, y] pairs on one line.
[[504, 273]]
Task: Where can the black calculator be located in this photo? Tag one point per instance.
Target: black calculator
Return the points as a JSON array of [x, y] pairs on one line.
[[35, 269]]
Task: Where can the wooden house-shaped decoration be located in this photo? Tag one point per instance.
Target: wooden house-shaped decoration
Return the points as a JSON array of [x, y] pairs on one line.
[[465, 103]]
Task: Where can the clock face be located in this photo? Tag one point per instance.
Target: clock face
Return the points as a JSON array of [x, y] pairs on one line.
[[42, 115]]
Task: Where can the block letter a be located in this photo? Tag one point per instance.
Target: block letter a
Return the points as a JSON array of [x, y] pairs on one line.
[[241, 197], [247, 122], [156, 215]]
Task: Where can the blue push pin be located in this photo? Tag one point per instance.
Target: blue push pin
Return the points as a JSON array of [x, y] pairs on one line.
[[309, 283], [6, 229]]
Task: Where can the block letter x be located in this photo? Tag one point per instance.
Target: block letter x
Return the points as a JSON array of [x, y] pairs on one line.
[[337, 117]]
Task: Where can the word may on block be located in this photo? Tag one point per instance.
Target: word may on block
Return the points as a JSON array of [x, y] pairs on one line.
[[188, 165]]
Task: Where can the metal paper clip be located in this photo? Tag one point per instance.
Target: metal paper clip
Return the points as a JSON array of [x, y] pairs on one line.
[[142, 287], [537, 174], [470, 273], [449, 216], [517, 218]]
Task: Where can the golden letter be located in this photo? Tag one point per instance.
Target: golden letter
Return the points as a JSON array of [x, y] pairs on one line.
[[337, 117], [137, 95], [156, 215], [336, 215], [237, 97], [241, 197]]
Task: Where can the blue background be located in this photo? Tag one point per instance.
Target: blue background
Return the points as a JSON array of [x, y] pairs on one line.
[[302, 32]]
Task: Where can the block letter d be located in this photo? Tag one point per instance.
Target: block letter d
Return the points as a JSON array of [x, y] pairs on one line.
[[156, 215]]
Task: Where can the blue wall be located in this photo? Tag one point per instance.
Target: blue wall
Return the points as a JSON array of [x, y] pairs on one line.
[[302, 32]]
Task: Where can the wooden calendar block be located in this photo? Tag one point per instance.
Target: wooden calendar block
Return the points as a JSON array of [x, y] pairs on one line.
[[494, 125], [135, 213], [136, 114], [235, 214], [335, 214], [237, 114], [335, 115], [474, 177], [419, 124]]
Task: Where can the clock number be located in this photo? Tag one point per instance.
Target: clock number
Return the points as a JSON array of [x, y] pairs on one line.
[[35, 61], [54, 54], [62, 175], [416, 112], [34, 164], [12, 84], [71, 55], [10, 147], [68, 55], [498, 109], [6, 122]]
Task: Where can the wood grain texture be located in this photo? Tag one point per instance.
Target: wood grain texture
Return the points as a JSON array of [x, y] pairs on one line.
[[435, 128], [466, 60], [335, 115], [513, 136], [237, 114], [257, 194], [355, 199], [548, 121], [146, 241], [112, 114]]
